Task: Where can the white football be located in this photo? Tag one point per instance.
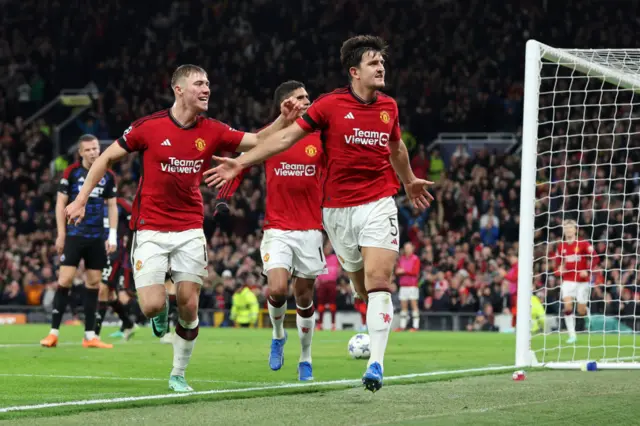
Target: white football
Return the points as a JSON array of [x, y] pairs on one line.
[[359, 346]]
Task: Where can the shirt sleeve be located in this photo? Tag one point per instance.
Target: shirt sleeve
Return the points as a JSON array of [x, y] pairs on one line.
[[110, 189], [230, 138], [64, 186], [396, 133], [316, 117], [133, 138]]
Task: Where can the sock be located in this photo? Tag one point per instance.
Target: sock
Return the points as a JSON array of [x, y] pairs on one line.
[[102, 311], [121, 311], [404, 319], [570, 321], [60, 301], [333, 309], [183, 343], [306, 322], [320, 320], [379, 318], [415, 320], [90, 306], [277, 309]]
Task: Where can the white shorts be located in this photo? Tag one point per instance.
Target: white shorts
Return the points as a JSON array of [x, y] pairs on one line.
[[154, 252], [299, 252], [580, 292], [370, 225], [409, 293]]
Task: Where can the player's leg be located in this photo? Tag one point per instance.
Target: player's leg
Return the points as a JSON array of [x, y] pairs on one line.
[[69, 262], [150, 259], [188, 267], [582, 299], [356, 279], [305, 321], [308, 263], [568, 293], [95, 260], [170, 286], [378, 238], [104, 292], [404, 309], [415, 312], [277, 257]]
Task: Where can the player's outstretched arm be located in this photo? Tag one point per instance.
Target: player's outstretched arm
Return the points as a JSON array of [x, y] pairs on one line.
[[75, 210], [228, 168], [289, 110], [415, 188]]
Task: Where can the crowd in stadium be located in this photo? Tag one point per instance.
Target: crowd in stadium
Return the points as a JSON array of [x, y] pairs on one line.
[[447, 74]]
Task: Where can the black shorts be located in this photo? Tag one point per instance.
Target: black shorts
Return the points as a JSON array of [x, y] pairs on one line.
[[91, 250], [117, 277]]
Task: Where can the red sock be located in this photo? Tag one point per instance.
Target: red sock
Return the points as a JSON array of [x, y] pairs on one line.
[[333, 308]]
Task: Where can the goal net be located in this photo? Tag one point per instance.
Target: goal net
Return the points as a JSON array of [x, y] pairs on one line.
[[580, 162]]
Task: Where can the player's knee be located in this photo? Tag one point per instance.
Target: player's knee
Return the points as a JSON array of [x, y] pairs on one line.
[[278, 288], [377, 280], [582, 309], [304, 298], [188, 304]]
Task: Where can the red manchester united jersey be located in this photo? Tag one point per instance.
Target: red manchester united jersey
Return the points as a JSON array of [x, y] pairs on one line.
[[356, 136], [575, 257], [294, 186], [173, 159]]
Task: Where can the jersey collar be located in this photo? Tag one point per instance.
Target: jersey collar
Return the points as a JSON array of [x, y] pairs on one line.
[[359, 99], [177, 123]]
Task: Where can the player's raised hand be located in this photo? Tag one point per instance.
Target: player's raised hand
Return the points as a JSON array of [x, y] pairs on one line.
[[227, 169], [290, 108], [74, 212], [417, 192]]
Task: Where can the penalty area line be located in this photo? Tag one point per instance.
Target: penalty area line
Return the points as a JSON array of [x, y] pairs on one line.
[[127, 379], [240, 390]]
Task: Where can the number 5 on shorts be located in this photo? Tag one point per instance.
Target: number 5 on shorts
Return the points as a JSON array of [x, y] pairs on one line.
[[394, 228]]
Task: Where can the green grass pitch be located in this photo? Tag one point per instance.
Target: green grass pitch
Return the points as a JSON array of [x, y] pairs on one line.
[[430, 378]]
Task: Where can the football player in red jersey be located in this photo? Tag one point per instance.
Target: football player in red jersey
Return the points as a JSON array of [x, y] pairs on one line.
[[292, 240], [575, 259], [365, 154], [175, 145]]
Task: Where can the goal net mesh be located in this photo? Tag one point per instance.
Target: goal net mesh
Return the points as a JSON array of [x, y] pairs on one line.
[[588, 170]]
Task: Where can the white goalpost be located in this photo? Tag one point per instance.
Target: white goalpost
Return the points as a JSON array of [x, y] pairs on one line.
[[580, 161]]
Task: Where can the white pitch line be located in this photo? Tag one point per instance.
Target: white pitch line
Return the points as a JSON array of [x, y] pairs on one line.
[[239, 390], [33, 345], [132, 379]]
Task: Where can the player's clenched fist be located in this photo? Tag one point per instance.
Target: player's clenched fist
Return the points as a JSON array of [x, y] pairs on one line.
[[74, 212]]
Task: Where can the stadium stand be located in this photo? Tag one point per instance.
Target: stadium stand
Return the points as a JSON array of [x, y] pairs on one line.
[[459, 72]]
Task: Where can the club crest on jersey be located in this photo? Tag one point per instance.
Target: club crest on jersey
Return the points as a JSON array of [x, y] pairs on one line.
[[384, 117], [266, 257], [311, 150], [200, 144], [138, 265], [102, 182]]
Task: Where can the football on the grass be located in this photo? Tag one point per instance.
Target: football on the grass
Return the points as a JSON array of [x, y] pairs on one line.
[[359, 346]]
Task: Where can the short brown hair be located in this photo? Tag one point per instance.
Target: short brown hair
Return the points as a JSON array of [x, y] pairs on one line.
[[185, 71], [352, 50], [281, 93]]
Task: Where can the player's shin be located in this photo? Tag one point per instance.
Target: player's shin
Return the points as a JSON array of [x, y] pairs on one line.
[[569, 319], [121, 311], [276, 301], [183, 344], [379, 319], [102, 312], [90, 307], [306, 321], [60, 301]]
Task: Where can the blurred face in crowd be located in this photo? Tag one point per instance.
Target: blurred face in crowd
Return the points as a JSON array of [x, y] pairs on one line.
[[570, 230], [193, 91], [89, 151], [408, 249], [370, 71]]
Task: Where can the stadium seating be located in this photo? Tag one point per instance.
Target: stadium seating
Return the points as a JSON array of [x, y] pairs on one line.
[[458, 67]]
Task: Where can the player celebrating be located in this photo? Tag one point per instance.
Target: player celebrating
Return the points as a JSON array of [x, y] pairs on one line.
[[83, 242], [408, 272], [113, 275], [292, 241], [361, 132], [575, 260], [167, 217]]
